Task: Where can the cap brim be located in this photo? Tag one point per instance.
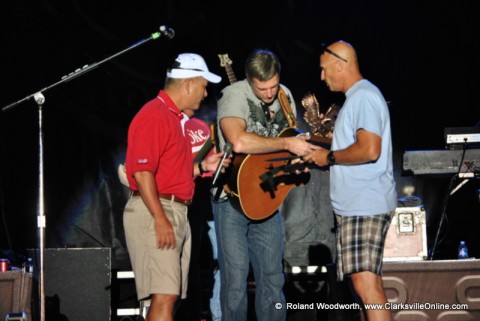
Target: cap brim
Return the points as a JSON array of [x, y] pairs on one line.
[[212, 77]]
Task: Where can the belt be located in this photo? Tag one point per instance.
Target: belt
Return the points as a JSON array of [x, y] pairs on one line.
[[169, 197]]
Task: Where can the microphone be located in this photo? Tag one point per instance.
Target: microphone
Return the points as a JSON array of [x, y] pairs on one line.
[[227, 151], [167, 32]]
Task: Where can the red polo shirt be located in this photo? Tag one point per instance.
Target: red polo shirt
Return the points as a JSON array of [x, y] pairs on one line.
[[157, 143]]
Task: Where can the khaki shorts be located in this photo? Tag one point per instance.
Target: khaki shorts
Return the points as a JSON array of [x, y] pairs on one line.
[[156, 270]]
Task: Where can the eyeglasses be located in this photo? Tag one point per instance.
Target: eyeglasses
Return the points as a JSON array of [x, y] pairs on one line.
[[333, 53]]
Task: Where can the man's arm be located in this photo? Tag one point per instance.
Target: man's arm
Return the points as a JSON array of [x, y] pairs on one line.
[[210, 163], [366, 148], [235, 132]]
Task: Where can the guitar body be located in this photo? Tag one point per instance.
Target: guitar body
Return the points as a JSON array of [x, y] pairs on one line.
[[248, 192]]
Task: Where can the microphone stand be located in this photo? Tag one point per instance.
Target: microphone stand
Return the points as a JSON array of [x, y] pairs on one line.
[[41, 222], [40, 100]]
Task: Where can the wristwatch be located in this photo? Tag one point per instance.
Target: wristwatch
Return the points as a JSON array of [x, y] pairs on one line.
[[331, 158]]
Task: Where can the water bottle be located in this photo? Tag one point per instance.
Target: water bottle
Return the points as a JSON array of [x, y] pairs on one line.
[[462, 250], [28, 265]]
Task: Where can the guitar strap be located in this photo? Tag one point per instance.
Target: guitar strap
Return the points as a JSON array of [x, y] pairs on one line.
[[287, 108], [214, 136]]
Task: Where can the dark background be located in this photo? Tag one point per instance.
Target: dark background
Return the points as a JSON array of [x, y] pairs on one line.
[[423, 57]]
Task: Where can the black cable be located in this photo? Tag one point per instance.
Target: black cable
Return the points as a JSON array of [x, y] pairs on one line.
[[443, 215], [4, 219]]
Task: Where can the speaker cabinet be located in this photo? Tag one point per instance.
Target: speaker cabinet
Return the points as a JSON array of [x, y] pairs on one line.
[[77, 284], [433, 290]]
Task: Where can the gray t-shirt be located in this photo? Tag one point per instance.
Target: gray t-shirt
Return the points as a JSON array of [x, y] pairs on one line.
[[238, 100]]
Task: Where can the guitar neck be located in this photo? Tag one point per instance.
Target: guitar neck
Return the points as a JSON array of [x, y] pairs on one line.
[[230, 74], [321, 141]]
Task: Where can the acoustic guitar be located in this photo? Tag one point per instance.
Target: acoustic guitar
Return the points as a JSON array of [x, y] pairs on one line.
[[258, 183]]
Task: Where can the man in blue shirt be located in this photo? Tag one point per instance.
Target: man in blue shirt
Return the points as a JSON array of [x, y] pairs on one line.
[[362, 186]]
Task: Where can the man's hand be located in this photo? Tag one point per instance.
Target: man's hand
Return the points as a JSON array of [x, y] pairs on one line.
[[299, 145], [317, 157], [164, 232], [211, 162]]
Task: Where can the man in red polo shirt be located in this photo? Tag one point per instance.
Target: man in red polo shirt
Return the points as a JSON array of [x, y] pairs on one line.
[[160, 172]]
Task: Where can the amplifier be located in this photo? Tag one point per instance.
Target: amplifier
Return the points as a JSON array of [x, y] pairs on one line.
[[77, 283], [407, 235]]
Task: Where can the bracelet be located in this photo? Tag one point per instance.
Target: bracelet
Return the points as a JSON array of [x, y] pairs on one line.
[[200, 168]]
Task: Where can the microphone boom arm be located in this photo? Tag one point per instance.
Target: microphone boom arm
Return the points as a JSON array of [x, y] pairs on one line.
[[164, 31]]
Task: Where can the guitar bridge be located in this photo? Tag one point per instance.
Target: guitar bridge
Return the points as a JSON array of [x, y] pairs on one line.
[[268, 183]]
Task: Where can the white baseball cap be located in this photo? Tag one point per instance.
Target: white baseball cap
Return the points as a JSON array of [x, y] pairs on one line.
[[189, 65]]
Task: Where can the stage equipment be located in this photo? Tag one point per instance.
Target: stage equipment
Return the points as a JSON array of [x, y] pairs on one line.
[[457, 163], [457, 136], [446, 290], [15, 293], [407, 235], [16, 316], [79, 283], [437, 162]]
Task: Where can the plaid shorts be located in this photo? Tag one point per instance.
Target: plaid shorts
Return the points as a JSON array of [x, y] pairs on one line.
[[360, 243]]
